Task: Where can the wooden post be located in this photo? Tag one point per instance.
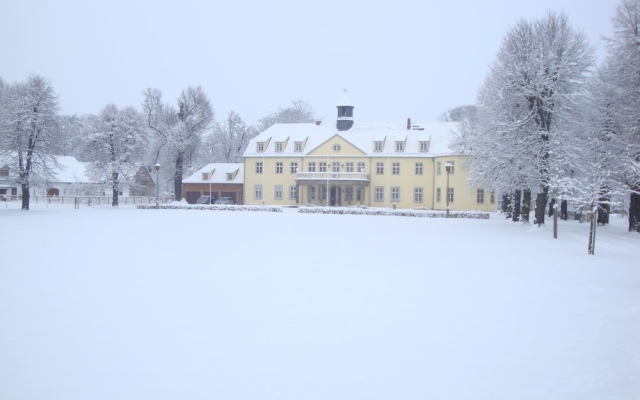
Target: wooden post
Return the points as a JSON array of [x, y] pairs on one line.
[[555, 220]]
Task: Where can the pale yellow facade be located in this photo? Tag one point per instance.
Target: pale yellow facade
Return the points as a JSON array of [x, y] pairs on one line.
[[375, 166]]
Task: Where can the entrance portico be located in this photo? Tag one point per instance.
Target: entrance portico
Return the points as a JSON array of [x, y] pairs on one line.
[[342, 188]]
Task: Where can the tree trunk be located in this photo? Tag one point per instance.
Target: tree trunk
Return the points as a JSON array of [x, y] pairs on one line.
[[506, 205], [177, 178], [517, 198], [541, 205], [25, 196], [114, 200], [526, 205], [552, 203], [604, 207], [603, 213], [634, 210], [564, 213]]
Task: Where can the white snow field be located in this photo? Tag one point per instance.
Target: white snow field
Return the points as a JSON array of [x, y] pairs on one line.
[[101, 303]]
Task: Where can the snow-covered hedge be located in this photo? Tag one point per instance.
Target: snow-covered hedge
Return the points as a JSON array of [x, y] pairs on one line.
[[401, 213], [213, 207]]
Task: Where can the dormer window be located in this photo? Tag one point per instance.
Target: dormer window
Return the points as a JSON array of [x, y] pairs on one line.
[[297, 147], [377, 146], [424, 147], [205, 176], [229, 176], [399, 146], [278, 147], [260, 147]]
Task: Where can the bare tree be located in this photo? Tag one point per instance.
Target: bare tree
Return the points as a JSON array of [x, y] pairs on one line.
[[299, 112], [179, 130], [525, 105], [230, 138], [116, 140], [620, 96], [28, 124]]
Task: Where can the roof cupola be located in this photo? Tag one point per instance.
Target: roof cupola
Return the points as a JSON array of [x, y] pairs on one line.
[[345, 113]]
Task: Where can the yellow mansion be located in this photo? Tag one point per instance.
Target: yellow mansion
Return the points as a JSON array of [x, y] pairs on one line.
[[403, 166]]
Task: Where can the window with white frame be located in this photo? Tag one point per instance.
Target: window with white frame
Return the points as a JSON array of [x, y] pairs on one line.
[[439, 168], [377, 146], [379, 193], [348, 194], [379, 168], [297, 147], [480, 196], [395, 194], [323, 167], [399, 146], [424, 147], [438, 195], [293, 192], [396, 168], [279, 147], [359, 193], [257, 192], [323, 193], [450, 195], [312, 167], [312, 192], [335, 167], [260, 147], [349, 167], [258, 167], [278, 168], [419, 168], [277, 192], [417, 195], [294, 167]]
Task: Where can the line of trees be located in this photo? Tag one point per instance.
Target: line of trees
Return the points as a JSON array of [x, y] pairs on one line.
[[118, 141], [550, 126]]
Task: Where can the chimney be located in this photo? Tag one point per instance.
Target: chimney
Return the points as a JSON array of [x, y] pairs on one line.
[[318, 123], [408, 123]]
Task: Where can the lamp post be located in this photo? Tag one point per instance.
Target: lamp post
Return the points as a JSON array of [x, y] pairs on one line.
[[448, 166], [157, 167]]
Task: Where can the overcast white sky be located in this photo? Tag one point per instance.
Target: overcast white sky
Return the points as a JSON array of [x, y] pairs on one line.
[[397, 58]]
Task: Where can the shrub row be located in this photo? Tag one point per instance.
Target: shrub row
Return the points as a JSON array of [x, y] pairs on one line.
[[211, 207], [401, 213]]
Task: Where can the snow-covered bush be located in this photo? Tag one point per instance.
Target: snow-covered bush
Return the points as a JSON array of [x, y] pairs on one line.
[[213, 207], [401, 213]]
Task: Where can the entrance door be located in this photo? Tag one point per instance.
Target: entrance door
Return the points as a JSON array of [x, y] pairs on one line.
[[335, 196]]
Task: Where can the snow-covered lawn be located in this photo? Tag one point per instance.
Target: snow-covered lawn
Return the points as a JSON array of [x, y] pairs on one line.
[[102, 303]]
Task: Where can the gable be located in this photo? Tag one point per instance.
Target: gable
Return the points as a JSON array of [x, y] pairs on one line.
[[336, 146]]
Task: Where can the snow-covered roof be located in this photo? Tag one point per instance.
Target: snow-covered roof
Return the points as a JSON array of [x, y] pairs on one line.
[[71, 170], [218, 173], [438, 135]]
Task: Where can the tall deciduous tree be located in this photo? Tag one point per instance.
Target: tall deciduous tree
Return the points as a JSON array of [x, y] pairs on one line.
[[525, 107], [230, 138], [179, 130], [116, 140], [28, 125], [621, 98], [299, 112]]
